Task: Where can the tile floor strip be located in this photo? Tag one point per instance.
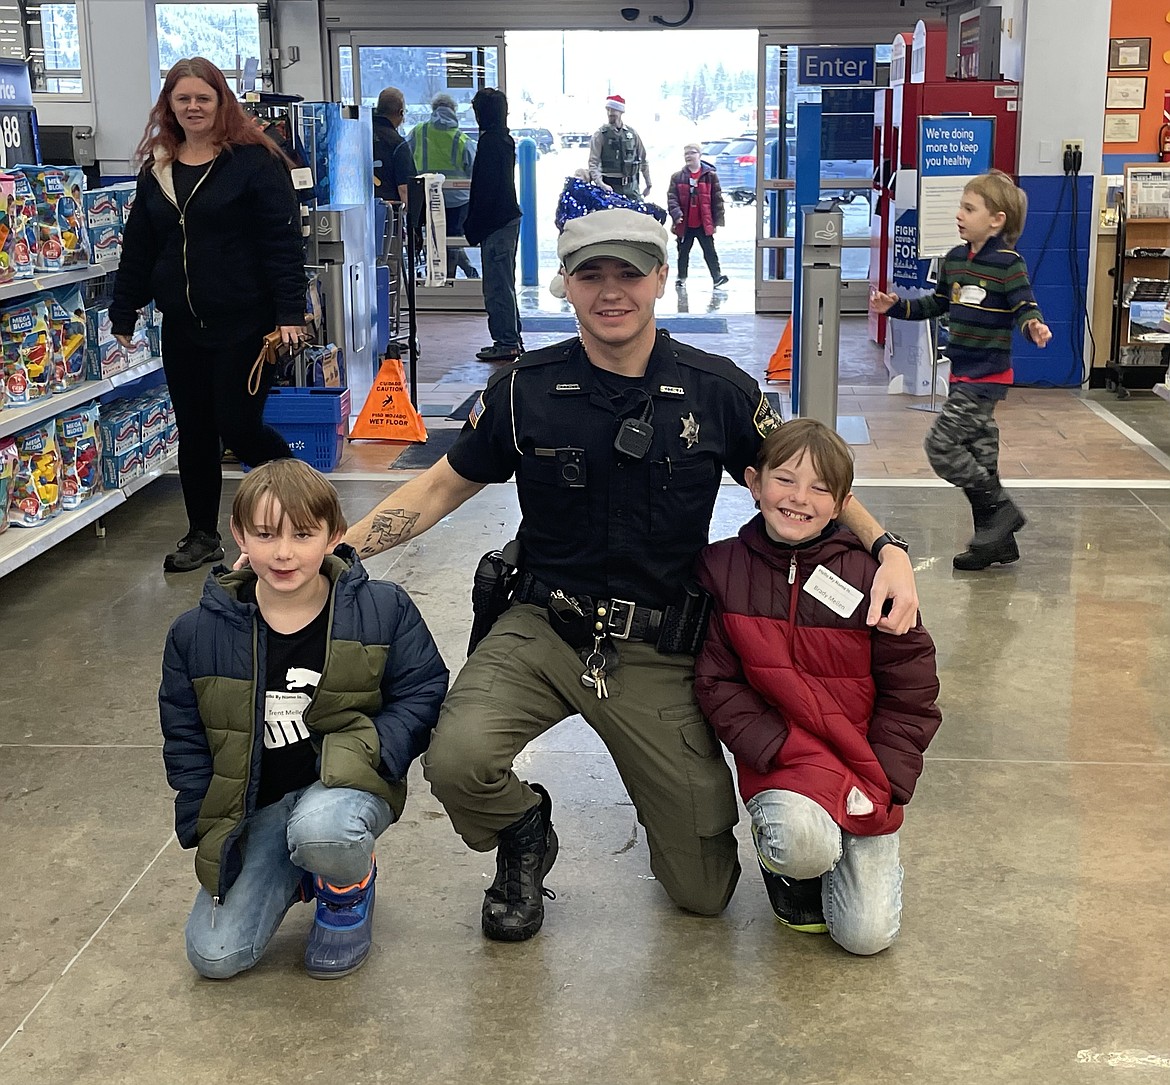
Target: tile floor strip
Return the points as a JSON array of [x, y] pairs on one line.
[[1129, 433], [89, 941]]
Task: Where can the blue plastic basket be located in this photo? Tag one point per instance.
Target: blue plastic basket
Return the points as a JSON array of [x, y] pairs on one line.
[[314, 422]]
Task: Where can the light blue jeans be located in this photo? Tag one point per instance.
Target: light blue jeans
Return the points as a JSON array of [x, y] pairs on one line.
[[327, 831], [861, 878], [497, 253]]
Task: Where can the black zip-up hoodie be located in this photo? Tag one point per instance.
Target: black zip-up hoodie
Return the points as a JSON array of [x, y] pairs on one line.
[[492, 202], [235, 258]]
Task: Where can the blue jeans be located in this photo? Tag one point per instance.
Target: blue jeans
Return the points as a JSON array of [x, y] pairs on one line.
[[327, 831], [498, 256], [861, 878]]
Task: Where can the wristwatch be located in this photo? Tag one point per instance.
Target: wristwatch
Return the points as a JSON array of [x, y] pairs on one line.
[[888, 537]]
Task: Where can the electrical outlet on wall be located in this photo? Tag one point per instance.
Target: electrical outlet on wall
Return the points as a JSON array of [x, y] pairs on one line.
[[1070, 145]]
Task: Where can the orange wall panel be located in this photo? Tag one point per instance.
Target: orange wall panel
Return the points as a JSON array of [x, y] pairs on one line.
[[1144, 19]]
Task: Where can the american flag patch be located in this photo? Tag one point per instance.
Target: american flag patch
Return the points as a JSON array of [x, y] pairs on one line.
[[477, 410]]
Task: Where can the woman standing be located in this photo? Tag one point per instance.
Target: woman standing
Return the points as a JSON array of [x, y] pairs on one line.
[[214, 239], [695, 202]]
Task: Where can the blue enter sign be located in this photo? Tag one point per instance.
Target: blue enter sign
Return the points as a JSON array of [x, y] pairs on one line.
[[836, 66]]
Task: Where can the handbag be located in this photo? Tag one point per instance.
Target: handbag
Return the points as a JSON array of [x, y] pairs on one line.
[[271, 347]]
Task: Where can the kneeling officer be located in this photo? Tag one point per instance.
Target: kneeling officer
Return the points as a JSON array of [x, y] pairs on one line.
[[618, 440]]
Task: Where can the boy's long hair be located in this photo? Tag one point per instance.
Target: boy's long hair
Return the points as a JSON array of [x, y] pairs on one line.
[[1001, 194], [233, 127], [831, 457], [305, 495]]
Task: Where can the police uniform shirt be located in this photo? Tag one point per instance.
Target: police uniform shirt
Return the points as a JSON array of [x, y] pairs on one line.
[[595, 521]]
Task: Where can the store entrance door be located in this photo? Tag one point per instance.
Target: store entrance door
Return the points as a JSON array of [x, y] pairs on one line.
[[421, 66], [846, 172]]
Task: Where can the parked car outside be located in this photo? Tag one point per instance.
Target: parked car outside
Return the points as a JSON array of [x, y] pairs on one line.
[[736, 165], [541, 136], [575, 139]]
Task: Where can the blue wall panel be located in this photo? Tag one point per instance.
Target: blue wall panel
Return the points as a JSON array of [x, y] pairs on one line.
[[1045, 247]]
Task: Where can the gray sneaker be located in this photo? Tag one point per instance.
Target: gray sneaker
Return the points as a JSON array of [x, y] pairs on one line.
[[195, 548]]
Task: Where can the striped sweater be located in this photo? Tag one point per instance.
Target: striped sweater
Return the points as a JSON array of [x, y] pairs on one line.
[[986, 294]]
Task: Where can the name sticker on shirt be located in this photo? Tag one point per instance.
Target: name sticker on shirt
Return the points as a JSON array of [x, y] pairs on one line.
[[971, 294], [840, 597]]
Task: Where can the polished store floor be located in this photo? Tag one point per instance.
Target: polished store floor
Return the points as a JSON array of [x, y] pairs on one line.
[[1033, 948]]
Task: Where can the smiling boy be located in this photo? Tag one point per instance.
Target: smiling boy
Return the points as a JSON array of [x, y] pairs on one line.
[[826, 719], [293, 700]]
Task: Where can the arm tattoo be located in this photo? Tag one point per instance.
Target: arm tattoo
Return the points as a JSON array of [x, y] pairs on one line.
[[388, 529]]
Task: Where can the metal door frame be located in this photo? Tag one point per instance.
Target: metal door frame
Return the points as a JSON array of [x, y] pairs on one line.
[[775, 295], [463, 295]]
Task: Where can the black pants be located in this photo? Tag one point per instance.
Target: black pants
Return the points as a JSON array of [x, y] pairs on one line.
[[207, 373], [706, 243]]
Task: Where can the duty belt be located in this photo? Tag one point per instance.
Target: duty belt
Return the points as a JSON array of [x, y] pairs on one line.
[[610, 177], [623, 619]]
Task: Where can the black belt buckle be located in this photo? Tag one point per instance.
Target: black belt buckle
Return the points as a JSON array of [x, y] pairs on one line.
[[621, 611]]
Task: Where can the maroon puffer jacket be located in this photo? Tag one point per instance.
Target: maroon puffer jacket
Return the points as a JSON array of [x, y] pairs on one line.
[[805, 699], [710, 197]]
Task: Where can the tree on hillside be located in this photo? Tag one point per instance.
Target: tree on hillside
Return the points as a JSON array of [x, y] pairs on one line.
[[697, 100]]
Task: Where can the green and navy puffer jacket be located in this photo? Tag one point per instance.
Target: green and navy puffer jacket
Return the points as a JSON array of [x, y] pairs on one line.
[[371, 716]]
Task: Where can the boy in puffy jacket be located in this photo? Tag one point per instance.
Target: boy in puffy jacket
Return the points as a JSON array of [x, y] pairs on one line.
[[293, 700], [827, 719]]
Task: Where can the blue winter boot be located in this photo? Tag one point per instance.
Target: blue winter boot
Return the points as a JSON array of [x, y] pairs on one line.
[[342, 930]]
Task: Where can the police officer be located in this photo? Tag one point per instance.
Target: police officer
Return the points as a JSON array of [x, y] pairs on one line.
[[618, 441], [616, 153]]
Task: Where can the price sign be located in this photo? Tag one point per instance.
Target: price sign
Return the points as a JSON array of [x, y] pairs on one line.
[[18, 136]]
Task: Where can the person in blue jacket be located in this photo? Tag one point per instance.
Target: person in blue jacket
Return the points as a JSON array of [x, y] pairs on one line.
[[294, 698]]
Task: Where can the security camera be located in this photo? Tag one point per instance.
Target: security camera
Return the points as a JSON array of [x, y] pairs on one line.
[[631, 14]]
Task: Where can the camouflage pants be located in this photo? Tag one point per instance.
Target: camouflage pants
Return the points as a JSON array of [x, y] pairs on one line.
[[963, 444]]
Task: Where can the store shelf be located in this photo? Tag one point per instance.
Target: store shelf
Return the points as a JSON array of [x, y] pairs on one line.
[[169, 464], [1162, 390], [14, 419], [20, 545], [51, 279]]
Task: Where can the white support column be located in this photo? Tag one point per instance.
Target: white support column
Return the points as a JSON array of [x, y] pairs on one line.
[[123, 42], [1063, 95]]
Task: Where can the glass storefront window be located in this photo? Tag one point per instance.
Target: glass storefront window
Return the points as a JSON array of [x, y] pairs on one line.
[[54, 48], [226, 34]]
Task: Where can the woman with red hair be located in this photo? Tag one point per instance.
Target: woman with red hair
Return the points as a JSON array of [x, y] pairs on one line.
[[214, 239]]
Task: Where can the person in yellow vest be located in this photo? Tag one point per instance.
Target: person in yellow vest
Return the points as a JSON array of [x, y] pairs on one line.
[[439, 147]]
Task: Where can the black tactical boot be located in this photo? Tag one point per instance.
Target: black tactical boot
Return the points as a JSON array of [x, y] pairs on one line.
[[975, 558], [513, 908], [796, 902]]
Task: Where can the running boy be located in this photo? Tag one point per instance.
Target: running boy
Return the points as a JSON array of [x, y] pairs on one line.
[[984, 285], [293, 700], [827, 719]]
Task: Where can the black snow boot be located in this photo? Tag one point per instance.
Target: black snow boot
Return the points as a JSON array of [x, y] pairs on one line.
[[513, 907], [975, 558]]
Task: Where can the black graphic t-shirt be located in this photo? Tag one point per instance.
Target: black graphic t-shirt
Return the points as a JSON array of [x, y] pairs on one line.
[[295, 662]]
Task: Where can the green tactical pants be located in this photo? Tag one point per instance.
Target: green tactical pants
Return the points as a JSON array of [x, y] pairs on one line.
[[523, 679]]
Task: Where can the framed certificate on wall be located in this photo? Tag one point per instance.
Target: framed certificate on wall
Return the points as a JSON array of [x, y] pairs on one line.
[[1122, 127], [1129, 54], [1125, 92]]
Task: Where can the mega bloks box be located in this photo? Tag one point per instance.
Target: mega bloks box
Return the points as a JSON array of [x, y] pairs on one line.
[[26, 352], [79, 439], [62, 241], [67, 329], [36, 492]]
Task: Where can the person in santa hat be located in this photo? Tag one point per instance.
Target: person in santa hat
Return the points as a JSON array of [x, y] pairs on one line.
[[617, 155]]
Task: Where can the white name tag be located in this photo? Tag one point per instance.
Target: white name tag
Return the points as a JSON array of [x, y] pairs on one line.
[[972, 295], [840, 597]]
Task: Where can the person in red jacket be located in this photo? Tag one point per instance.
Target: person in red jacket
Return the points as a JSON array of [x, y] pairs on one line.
[[695, 203], [826, 720]]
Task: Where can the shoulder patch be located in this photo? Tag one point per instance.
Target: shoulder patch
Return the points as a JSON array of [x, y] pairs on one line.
[[477, 409], [766, 420]]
